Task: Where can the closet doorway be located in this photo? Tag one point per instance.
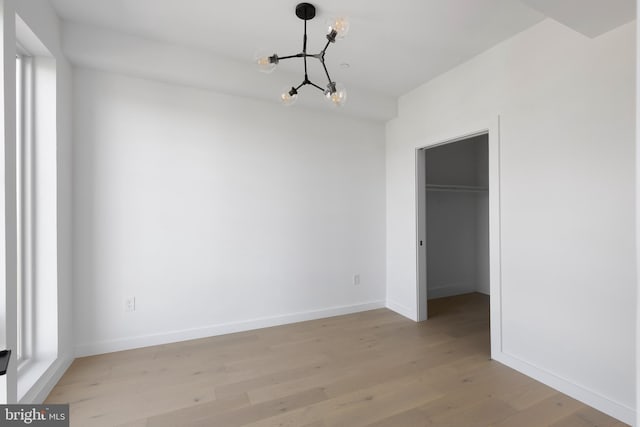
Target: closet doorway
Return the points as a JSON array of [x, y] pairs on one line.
[[453, 220]]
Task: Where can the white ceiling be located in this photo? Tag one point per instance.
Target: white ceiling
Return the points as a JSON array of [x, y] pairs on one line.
[[392, 47], [589, 17]]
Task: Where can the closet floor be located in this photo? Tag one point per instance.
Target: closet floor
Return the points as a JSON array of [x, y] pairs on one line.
[[371, 368]]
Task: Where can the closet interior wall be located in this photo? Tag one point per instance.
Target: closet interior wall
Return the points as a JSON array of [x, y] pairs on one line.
[[457, 210]]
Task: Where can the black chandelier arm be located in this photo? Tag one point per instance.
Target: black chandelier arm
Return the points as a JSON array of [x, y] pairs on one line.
[[297, 55], [325, 69], [325, 47], [310, 83], [304, 55], [301, 55], [304, 50], [321, 58], [304, 38], [316, 86]]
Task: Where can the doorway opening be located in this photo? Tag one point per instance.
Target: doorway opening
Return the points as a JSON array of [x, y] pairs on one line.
[[453, 225]]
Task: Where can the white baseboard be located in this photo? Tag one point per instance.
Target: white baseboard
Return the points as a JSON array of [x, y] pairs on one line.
[[450, 289], [402, 310], [43, 386], [101, 347], [563, 385]]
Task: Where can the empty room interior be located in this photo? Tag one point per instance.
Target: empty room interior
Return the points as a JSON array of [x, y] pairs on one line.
[[338, 213]]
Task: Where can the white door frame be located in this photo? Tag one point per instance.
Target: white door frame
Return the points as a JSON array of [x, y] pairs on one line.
[[493, 131]]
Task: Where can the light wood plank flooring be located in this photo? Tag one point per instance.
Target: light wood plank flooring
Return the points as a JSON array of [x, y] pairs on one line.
[[374, 368]]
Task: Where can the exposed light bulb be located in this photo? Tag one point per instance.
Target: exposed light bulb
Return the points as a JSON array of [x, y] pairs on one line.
[[336, 94], [266, 63], [338, 28], [289, 96]]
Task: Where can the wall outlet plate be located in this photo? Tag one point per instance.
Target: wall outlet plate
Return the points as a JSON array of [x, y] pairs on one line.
[[130, 304]]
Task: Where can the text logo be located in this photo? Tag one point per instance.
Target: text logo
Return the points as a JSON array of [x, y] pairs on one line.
[[34, 415]]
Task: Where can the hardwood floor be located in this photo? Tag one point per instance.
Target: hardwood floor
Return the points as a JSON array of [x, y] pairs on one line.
[[373, 368]]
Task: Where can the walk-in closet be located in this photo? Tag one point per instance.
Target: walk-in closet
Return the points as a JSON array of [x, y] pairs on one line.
[[454, 217]]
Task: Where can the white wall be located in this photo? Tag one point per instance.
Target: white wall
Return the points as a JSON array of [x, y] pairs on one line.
[[217, 213], [451, 244], [637, 218], [8, 312], [566, 106], [42, 20]]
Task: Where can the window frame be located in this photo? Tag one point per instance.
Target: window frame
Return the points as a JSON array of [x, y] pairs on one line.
[[25, 105]]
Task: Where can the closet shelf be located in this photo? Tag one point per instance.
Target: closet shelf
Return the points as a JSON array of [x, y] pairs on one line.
[[456, 188]]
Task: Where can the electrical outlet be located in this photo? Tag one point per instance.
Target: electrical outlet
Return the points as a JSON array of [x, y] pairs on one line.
[[356, 279], [130, 304]]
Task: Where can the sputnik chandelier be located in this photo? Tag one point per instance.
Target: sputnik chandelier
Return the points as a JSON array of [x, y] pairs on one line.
[[334, 92]]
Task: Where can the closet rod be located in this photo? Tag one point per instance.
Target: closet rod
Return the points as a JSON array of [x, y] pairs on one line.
[[461, 188]]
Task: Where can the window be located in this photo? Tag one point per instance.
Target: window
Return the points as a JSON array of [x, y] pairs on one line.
[[36, 210], [24, 164]]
